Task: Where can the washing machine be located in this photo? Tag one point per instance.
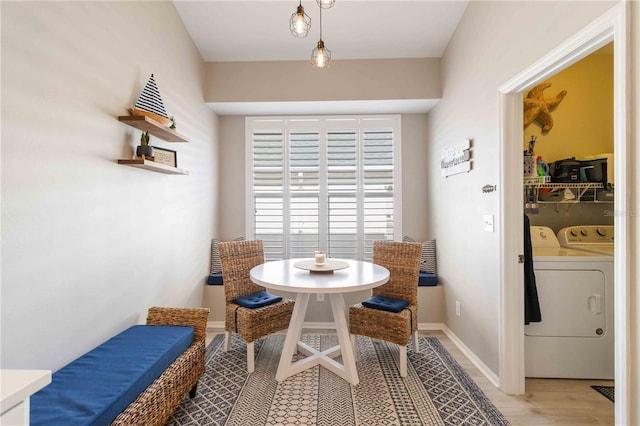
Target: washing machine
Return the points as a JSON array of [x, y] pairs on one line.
[[575, 291]]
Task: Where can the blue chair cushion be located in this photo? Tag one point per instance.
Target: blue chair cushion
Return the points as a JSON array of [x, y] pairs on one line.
[[385, 304], [215, 279], [257, 300], [426, 279], [95, 388]]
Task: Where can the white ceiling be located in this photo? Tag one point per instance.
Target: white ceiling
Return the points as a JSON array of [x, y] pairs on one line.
[[242, 30], [258, 30]]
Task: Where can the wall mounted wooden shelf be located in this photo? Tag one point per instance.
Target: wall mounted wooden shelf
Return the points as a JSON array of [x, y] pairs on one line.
[[154, 128], [153, 166]]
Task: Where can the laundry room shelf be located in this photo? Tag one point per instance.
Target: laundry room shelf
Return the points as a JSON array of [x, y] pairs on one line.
[[562, 185], [536, 180], [585, 192]]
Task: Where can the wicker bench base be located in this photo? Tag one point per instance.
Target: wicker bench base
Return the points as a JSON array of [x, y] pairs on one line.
[[156, 404]]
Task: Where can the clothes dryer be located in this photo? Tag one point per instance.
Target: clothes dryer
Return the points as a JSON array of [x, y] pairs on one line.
[[575, 291]]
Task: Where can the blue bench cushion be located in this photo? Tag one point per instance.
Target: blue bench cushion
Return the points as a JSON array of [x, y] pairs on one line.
[[215, 279], [386, 303], [95, 388], [426, 279], [257, 300]]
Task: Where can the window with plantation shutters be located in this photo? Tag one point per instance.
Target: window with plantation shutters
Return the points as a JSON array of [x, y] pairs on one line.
[[323, 183], [268, 190]]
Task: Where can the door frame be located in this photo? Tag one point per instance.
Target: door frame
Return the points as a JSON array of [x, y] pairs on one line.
[[613, 26]]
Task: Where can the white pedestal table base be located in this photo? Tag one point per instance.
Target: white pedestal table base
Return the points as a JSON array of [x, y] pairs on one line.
[[347, 370]]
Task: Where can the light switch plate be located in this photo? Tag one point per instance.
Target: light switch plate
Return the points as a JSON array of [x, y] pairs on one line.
[[488, 222]]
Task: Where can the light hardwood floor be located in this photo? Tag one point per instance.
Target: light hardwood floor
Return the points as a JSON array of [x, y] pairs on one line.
[[545, 402]]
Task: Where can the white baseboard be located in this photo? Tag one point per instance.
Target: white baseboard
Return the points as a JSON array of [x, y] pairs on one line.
[[490, 375], [431, 326], [211, 325], [427, 326]]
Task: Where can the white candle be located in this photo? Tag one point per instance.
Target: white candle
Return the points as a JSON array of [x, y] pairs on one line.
[[320, 257]]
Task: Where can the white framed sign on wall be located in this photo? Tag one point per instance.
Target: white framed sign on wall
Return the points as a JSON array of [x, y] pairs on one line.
[[456, 159]]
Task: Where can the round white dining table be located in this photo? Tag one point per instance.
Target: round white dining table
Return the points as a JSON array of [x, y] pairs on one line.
[[283, 275]]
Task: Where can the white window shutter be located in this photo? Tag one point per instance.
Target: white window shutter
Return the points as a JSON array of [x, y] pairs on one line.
[[268, 191], [342, 183], [323, 183], [304, 187]]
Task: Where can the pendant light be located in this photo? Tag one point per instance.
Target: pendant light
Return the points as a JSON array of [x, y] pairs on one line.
[[300, 23], [326, 4], [320, 56]]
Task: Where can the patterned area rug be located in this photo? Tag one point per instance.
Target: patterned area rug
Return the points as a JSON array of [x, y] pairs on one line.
[[437, 391], [608, 391]]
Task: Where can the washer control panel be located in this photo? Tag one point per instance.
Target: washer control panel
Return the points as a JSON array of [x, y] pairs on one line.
[[586, 234]]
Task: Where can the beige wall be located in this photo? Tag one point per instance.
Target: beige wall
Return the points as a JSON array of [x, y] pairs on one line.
[[89, 245], [583, 122], [487, 32], [414, 175], [232, 175], [493, 42], [347, 80]]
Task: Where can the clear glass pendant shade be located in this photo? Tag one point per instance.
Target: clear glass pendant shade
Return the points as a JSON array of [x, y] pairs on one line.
[[325, 4], [300, 23], [320, 56]]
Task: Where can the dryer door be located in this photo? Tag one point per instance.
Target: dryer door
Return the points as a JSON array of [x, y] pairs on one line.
[[572, 303]]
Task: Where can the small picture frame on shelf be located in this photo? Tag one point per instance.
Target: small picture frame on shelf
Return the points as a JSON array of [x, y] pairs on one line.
[[165, 156]]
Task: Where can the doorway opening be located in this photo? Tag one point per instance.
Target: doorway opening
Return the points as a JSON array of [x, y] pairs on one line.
[[568, 191], [610, 27]]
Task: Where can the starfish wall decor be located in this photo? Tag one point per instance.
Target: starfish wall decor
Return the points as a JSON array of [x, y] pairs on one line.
[[537, 108]]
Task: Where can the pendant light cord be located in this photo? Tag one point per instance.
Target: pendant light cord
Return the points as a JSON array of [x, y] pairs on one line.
[[320, 23]]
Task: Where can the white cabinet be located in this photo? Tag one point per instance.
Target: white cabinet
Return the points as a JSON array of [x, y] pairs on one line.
[[16, 387]]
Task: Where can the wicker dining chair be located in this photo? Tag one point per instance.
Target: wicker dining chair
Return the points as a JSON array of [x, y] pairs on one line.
[[403, 262], [238, 257]]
